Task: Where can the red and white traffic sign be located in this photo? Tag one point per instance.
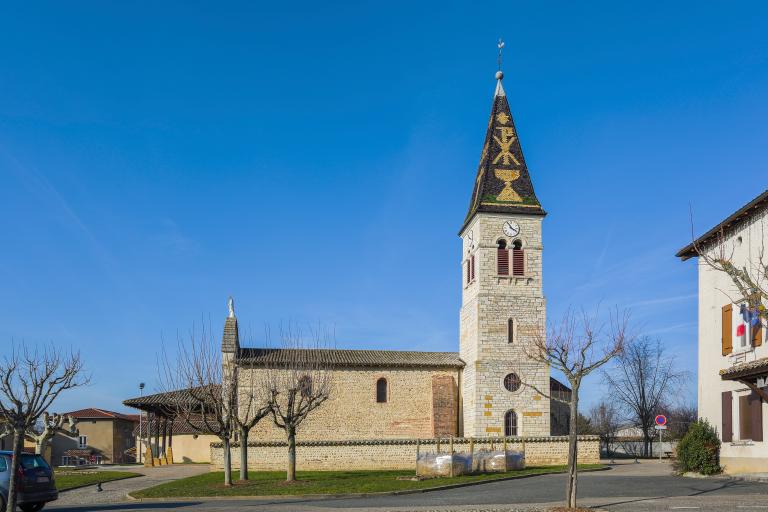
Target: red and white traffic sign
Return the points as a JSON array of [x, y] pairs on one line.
[[661, 420]]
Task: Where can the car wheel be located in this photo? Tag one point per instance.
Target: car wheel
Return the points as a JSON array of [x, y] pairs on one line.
[[32, 507]]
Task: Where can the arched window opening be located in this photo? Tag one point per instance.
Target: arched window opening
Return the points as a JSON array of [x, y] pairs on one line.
[[518, 259], [472, 267], [510, 423], [512, 382], [381, 390], [305, 386], [511, 330], [502, 258]]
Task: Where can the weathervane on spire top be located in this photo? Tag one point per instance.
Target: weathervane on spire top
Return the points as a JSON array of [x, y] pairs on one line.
[[499, 74]]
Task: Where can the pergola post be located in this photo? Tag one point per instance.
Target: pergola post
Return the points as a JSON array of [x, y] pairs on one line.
[[163, 458], [169, 453], [157, 440]]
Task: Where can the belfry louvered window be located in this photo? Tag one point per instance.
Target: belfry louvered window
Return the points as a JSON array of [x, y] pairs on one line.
[[502, 258], [472, 267], [518, 259]]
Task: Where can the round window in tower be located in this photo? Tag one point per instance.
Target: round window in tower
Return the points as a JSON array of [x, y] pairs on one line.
[[512, 382]]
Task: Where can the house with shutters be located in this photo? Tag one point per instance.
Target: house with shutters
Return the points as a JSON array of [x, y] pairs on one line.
[[733, 356]]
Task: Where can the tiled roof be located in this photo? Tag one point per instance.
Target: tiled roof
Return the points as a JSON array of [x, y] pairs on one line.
[[689, 251], [170, 398], [94, 413], [756, 368], [354, 358], [503, 184], [230, 341]]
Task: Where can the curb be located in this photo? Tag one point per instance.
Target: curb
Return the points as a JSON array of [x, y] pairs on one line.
[[289, 497]]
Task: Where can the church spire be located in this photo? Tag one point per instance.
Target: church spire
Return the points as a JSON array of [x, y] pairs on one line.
[[503, 184]]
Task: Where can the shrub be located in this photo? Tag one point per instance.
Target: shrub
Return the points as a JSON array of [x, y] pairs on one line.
[[699, 450]]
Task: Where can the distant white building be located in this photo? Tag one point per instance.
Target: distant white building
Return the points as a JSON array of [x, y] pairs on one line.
[[733, 357]]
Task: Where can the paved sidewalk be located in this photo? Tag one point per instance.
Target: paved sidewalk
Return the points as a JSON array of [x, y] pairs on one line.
[[118, 490]]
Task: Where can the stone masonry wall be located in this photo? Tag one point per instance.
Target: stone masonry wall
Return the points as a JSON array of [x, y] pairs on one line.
[[352, 412], [488, 303], [444, 405], [397, 453]]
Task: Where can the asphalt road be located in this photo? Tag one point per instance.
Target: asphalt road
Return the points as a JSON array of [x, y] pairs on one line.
[[628, 487]]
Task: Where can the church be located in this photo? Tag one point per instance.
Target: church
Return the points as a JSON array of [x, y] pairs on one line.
[[479, 390], [489, 388]]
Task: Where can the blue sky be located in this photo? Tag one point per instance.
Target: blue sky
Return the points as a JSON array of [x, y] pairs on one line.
[[315, 160]]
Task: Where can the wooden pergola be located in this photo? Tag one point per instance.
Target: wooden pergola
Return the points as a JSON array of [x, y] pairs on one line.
[[162, 410]]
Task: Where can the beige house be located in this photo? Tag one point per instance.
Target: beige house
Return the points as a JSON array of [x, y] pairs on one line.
[[189, 444], [733, 357], [105, 437]]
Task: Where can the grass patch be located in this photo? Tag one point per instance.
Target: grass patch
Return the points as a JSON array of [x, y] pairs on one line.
[[272, 483], [68, 479]]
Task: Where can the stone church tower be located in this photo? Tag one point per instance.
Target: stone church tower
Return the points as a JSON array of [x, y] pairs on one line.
[[503, 305]]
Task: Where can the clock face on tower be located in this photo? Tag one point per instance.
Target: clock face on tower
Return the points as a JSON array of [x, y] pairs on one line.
[[511, 228]]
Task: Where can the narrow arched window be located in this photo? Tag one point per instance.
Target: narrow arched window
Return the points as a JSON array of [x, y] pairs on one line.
[[510, 423], [381, 390], [305, 386], [511, 330], [518, 259], [502, 258]]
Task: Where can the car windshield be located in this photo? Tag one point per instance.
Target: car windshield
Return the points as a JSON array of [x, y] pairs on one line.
[[29, 461]]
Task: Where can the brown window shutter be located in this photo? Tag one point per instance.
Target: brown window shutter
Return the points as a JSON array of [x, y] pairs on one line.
[[756, 416], [472, 266], [757, 335], [503, 262], [745, 418], [727, 336], [518, 262], [727, 433]]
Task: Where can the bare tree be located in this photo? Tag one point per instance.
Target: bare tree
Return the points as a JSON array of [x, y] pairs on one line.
[[749, 278], [298, 382], [31, 379], [605, 422], [200, 394], [52, 424], [642, 381], [577, 346], [253, 405]]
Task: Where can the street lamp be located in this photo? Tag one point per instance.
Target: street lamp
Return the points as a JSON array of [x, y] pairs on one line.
[[141, 415]]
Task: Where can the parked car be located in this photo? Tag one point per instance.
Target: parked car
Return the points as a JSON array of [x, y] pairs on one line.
[[34, 479]]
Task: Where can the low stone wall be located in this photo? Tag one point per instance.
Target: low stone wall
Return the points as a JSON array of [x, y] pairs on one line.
[[398, 453]]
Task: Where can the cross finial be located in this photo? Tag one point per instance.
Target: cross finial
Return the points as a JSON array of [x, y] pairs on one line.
[[500, 44]]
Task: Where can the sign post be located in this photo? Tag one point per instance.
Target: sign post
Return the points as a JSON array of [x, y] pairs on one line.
[[661, 425]]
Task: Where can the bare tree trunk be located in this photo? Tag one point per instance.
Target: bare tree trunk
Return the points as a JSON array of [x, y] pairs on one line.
[[572, 451], [227, 463], [18, 443], [243, 453], [291, 475]]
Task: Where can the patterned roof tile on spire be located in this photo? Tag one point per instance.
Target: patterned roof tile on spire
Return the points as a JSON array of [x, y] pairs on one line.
[[503, 184]]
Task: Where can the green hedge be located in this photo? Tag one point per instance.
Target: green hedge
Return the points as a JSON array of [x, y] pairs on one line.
[[699, 450]]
